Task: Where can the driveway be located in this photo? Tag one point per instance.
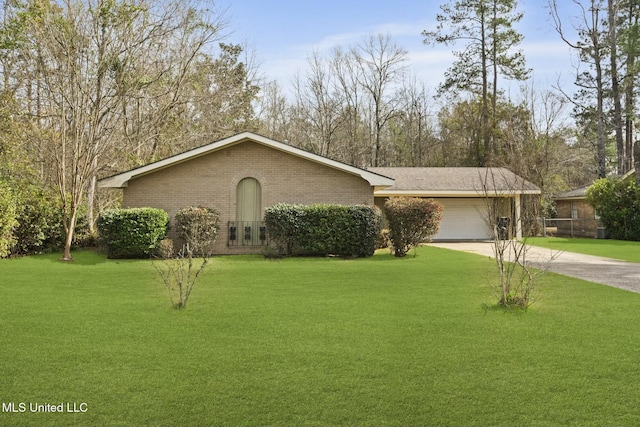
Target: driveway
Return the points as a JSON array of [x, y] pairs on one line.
[[607, 271]]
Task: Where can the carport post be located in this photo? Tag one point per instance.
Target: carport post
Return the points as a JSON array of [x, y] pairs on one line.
[[518, 218]]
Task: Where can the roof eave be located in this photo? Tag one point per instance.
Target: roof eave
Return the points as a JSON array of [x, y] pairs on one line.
[[452, 193]]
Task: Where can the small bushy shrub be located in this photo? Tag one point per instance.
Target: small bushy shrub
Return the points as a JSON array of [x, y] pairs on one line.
[[412, 220], [198, 227], [617, 202], [132, 233], [324, 229]]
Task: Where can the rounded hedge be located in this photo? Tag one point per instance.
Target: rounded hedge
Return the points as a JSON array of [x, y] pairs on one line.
[[132, 233], [198, 227], [412, 220], [324, 229]]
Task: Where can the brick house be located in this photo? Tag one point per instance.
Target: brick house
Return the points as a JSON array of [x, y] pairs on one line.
[[239, 177], [574, 216], [461, 191], [242, 175]]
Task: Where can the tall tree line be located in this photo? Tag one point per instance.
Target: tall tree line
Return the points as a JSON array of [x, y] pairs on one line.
[[102, 85], [607, 45], [93, 87]]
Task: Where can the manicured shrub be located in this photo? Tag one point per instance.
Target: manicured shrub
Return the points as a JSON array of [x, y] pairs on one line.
[[198, 227], [8, 222], [132, 233], [617, 202], [412, 220], [324, 229]]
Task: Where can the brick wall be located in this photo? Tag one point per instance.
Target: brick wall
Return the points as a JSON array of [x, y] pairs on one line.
[[211, 181], [584, 226]]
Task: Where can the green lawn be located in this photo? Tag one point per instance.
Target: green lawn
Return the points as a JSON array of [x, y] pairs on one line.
[[379, 341], [618, 249]]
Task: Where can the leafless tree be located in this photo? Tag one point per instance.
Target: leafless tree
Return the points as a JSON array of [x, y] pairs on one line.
[[503, 215], [93, 61], [381, 64], [591, 49]]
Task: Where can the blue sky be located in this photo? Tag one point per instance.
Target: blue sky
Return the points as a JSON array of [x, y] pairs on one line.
[[283, 33]]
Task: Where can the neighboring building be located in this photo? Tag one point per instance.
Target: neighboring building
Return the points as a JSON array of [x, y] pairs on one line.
[[574, 216], [242, 175]]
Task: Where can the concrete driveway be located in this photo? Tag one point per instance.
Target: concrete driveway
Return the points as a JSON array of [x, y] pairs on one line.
[[607, 271]]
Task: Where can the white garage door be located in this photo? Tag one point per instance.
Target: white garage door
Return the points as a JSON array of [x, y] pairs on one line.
[[463, 219]]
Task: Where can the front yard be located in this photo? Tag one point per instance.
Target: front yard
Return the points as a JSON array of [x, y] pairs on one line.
[[315, 341]]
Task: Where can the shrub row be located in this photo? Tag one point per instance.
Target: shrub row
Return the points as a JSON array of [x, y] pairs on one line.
[[321, 229], [31, 221], [132, 233]]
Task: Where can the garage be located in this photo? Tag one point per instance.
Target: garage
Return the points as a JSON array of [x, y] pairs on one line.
[[463, 219], [462, 193]]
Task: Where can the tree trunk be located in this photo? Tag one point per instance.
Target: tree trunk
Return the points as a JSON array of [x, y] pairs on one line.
[[69, 229], [486, 139], [91, 197], [615, 89]]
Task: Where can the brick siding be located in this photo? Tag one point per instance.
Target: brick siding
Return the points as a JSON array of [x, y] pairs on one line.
[[211, 181], [584, 226]]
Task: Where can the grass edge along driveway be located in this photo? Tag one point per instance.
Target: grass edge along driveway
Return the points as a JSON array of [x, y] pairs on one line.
[[313, 341], [616, 249]]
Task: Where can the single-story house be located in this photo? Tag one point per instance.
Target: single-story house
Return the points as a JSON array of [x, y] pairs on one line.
[[574, 216], [463, 193], [241, 175]]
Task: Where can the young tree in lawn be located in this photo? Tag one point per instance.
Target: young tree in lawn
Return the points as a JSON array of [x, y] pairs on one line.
[[503, 216], [198, 228]]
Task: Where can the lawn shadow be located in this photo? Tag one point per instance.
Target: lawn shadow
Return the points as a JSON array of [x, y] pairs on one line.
[[82, 257]]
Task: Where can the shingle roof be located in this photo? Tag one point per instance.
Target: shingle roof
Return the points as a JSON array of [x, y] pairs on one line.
[[121, 180], [576, 193], [454, 181]]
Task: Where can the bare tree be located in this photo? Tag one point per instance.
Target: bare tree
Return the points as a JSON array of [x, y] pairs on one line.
[[319, 105], [273, 112], [517, 279], [88, 57], [381, 66], [591, 49]]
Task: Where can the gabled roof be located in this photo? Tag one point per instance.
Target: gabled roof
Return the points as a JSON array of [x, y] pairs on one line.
[[574, 194], [121, 180], [453, 182]]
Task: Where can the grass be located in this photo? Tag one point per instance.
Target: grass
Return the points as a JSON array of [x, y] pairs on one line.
[[618, 249], [379, 341]]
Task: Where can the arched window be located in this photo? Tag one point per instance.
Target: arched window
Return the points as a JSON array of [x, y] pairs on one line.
[[249, 200]]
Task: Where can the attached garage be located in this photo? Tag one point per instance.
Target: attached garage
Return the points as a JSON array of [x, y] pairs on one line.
[[463, 193], [463, 219]]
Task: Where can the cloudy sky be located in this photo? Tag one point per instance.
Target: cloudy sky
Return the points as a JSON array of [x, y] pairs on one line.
[[283, 33]]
